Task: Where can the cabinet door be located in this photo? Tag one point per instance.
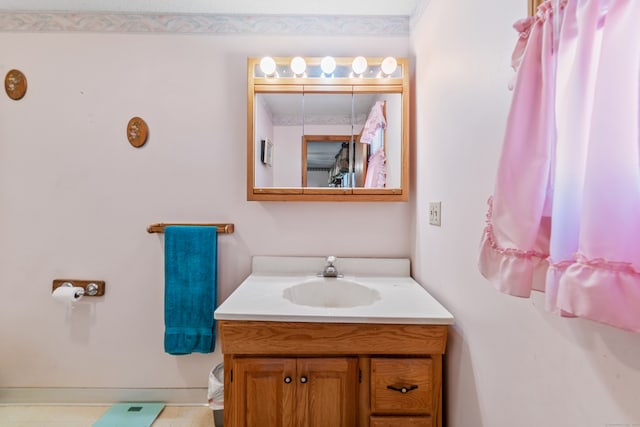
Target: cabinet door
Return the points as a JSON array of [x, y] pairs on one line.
[[327, 392], [264, 392]]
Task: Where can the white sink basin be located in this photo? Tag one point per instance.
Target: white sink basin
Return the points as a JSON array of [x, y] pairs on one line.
[[331, 293], [374, 290]]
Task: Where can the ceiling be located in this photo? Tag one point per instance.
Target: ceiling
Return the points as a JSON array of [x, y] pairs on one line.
[[249, 7]]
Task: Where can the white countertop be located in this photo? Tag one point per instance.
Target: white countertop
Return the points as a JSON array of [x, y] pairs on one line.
[[402, 300]]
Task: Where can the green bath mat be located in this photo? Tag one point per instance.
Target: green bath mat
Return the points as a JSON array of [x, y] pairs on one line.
[[130, 415]]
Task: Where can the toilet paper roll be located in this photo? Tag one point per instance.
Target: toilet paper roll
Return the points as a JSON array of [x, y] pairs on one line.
[[67, 294]]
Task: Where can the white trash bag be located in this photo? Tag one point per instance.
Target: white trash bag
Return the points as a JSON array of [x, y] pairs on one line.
[[216, 387]]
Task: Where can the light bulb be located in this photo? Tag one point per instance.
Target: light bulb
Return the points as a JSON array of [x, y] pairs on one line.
[[268, 65], [389, 65], [298, 65], [359, 65], [328, 65]]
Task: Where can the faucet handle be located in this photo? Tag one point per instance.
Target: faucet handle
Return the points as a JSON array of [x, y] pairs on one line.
[[330, 270]]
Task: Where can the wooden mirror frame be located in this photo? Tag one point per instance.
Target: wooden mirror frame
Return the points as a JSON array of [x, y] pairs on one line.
[[397, 83]]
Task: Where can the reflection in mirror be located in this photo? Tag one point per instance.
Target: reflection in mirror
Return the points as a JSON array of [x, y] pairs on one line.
[[278, 118], [331, 115], [285, 118], [332, 161], [380, 127], [328, 113]]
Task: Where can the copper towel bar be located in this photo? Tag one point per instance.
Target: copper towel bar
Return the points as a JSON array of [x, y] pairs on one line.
[[222, 228]]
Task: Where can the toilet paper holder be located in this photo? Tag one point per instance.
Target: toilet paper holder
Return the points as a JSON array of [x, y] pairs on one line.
[[92, 288]]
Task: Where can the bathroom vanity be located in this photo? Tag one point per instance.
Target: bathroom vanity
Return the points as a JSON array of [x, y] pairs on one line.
[[294, 356]]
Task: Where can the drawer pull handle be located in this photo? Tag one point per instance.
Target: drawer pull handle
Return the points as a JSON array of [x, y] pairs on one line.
[[303, 380], [402, 389], [287, 380]]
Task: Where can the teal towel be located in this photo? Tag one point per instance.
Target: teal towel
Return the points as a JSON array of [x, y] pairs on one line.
[[190, 266]]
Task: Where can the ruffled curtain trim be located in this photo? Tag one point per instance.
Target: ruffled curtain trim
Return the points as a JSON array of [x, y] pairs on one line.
[[512, 252], [513, 271], [597, 289]]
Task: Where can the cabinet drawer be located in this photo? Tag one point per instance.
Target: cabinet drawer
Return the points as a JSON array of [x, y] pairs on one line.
[[400, 422], [401, 386]]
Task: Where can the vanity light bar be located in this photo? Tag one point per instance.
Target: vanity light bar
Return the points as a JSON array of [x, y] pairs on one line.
[[327, 67]]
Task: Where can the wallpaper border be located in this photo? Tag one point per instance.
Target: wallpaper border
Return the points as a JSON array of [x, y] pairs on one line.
[[205, 24]]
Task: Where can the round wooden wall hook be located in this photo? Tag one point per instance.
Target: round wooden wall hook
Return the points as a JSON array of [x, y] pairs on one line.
[[137, 131], [15, 84]]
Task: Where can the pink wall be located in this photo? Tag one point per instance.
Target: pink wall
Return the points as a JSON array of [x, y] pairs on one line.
[[509, 362], [76, 198]]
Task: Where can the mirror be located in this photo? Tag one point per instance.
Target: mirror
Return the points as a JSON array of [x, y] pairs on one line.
[[338, 137]]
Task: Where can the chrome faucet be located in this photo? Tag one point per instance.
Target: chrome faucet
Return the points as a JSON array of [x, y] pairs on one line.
[[330, 270]]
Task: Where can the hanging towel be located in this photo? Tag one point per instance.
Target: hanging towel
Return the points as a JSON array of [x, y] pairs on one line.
[[190, 266]]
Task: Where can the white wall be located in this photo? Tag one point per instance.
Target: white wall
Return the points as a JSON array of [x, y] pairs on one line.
[[509, 362], [76, 198]]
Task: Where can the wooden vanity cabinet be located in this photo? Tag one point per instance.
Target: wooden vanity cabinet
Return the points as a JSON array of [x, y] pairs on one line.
[[296, 374], [307, 392]]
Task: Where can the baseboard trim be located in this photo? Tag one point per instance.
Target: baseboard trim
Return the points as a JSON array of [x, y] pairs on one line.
[[101, 396]]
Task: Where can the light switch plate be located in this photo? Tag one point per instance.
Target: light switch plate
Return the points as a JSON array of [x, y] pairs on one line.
[[435, 213]]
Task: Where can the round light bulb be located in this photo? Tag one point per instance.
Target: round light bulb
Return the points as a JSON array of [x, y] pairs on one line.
[[298, 65], [328, 65], [389, 65], [268, 65], [359, 65]]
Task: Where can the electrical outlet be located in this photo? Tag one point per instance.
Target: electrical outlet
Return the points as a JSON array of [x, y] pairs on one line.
[[435, 213]]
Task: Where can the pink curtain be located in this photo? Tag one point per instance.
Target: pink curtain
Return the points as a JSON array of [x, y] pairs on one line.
[[565, 214]]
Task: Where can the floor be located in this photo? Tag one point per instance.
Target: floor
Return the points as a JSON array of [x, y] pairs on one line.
[[85, 416]]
